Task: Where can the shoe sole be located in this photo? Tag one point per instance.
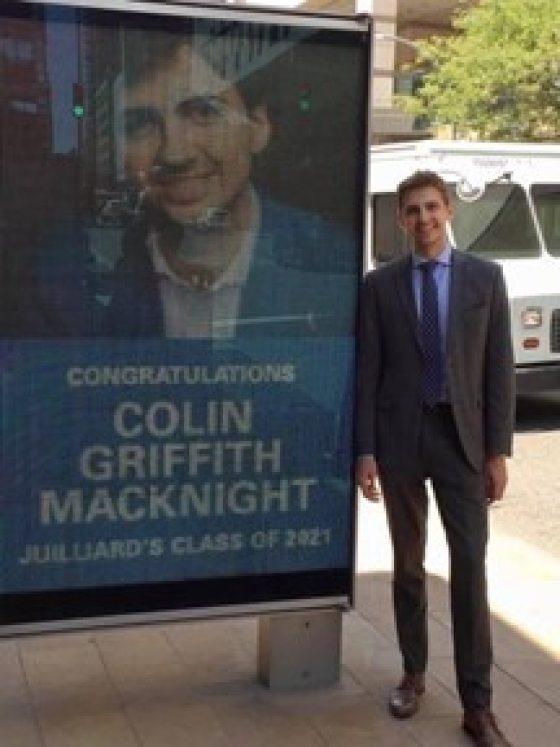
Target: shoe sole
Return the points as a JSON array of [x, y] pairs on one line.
[[474, 735]]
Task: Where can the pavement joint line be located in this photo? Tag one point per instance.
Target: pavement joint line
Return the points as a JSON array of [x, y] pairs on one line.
[[119, 697], [29, 694], [527, 688]]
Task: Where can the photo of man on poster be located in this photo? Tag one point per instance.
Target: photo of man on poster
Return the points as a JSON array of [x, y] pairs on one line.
[[204, 249], [207, 255]]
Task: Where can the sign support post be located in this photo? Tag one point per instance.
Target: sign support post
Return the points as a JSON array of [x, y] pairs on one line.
[[300, 650]]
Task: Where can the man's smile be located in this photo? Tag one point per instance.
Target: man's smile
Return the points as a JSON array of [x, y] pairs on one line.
[[181, 189]]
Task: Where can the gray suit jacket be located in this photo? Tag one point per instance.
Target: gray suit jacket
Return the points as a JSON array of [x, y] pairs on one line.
[[479, 363]]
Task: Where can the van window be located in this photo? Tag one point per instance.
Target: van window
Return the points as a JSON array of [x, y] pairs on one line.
[[499, 225], [547, 206], [388, 241]]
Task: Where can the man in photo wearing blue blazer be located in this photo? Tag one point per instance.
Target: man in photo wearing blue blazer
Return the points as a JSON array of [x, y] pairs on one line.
[[208, 256], [435, 400], [196, 249]]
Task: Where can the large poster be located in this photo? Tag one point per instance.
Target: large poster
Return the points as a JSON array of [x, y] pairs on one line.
[[181, 217]]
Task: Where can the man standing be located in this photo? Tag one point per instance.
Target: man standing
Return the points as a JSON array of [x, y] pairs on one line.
[[435, 401]]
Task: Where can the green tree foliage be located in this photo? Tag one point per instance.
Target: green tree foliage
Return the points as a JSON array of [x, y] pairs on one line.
[[498, 75]]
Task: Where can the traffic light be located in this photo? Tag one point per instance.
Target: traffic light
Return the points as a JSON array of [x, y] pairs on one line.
[[78, 109], [304, 99]]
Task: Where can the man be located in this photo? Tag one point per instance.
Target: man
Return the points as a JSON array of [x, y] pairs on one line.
[[208, 257], [435, 401]]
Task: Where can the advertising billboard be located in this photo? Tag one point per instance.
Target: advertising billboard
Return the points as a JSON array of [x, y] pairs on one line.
[[181, 228]]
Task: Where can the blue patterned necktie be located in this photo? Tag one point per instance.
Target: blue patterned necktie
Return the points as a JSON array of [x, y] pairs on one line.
[[431, 336]]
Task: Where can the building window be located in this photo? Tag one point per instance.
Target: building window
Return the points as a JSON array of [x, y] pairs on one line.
[[26, 107], [16, 50]]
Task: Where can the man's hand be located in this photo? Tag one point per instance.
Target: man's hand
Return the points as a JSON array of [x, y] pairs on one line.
[[496, 477], [366, 477]]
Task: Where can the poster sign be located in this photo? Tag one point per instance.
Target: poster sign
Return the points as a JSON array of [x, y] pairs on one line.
[[181, 204]]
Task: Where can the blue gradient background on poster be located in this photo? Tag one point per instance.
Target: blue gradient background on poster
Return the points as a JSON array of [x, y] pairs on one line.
[[299, 392]]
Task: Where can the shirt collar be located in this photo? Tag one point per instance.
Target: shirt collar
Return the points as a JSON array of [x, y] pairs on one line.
[[236, 272], [442, 259]]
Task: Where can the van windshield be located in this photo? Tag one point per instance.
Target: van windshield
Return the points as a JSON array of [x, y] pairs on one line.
[[547, 206], [499, 225]]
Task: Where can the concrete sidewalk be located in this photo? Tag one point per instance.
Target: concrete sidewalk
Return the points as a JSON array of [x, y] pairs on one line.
[[194, 684]]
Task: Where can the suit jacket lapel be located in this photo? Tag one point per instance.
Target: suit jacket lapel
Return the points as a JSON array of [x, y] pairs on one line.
[[457, 286], [404, 289]]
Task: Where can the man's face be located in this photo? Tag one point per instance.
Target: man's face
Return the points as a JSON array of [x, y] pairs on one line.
[[423, 216], [189, 139]]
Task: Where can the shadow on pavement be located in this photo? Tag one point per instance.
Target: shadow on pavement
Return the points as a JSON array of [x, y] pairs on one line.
[[194, 684], [526, 677], [538, 412]]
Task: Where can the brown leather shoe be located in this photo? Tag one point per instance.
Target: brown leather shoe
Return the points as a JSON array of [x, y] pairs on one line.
[[405, 699], [482, 728]]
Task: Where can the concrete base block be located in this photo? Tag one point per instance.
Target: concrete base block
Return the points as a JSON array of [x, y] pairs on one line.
[[300, 650]]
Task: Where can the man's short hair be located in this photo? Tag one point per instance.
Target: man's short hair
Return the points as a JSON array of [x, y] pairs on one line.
[[419, 180], [147, 49]]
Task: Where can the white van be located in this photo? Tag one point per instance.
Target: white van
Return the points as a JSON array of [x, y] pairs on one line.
[[507, 208]]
